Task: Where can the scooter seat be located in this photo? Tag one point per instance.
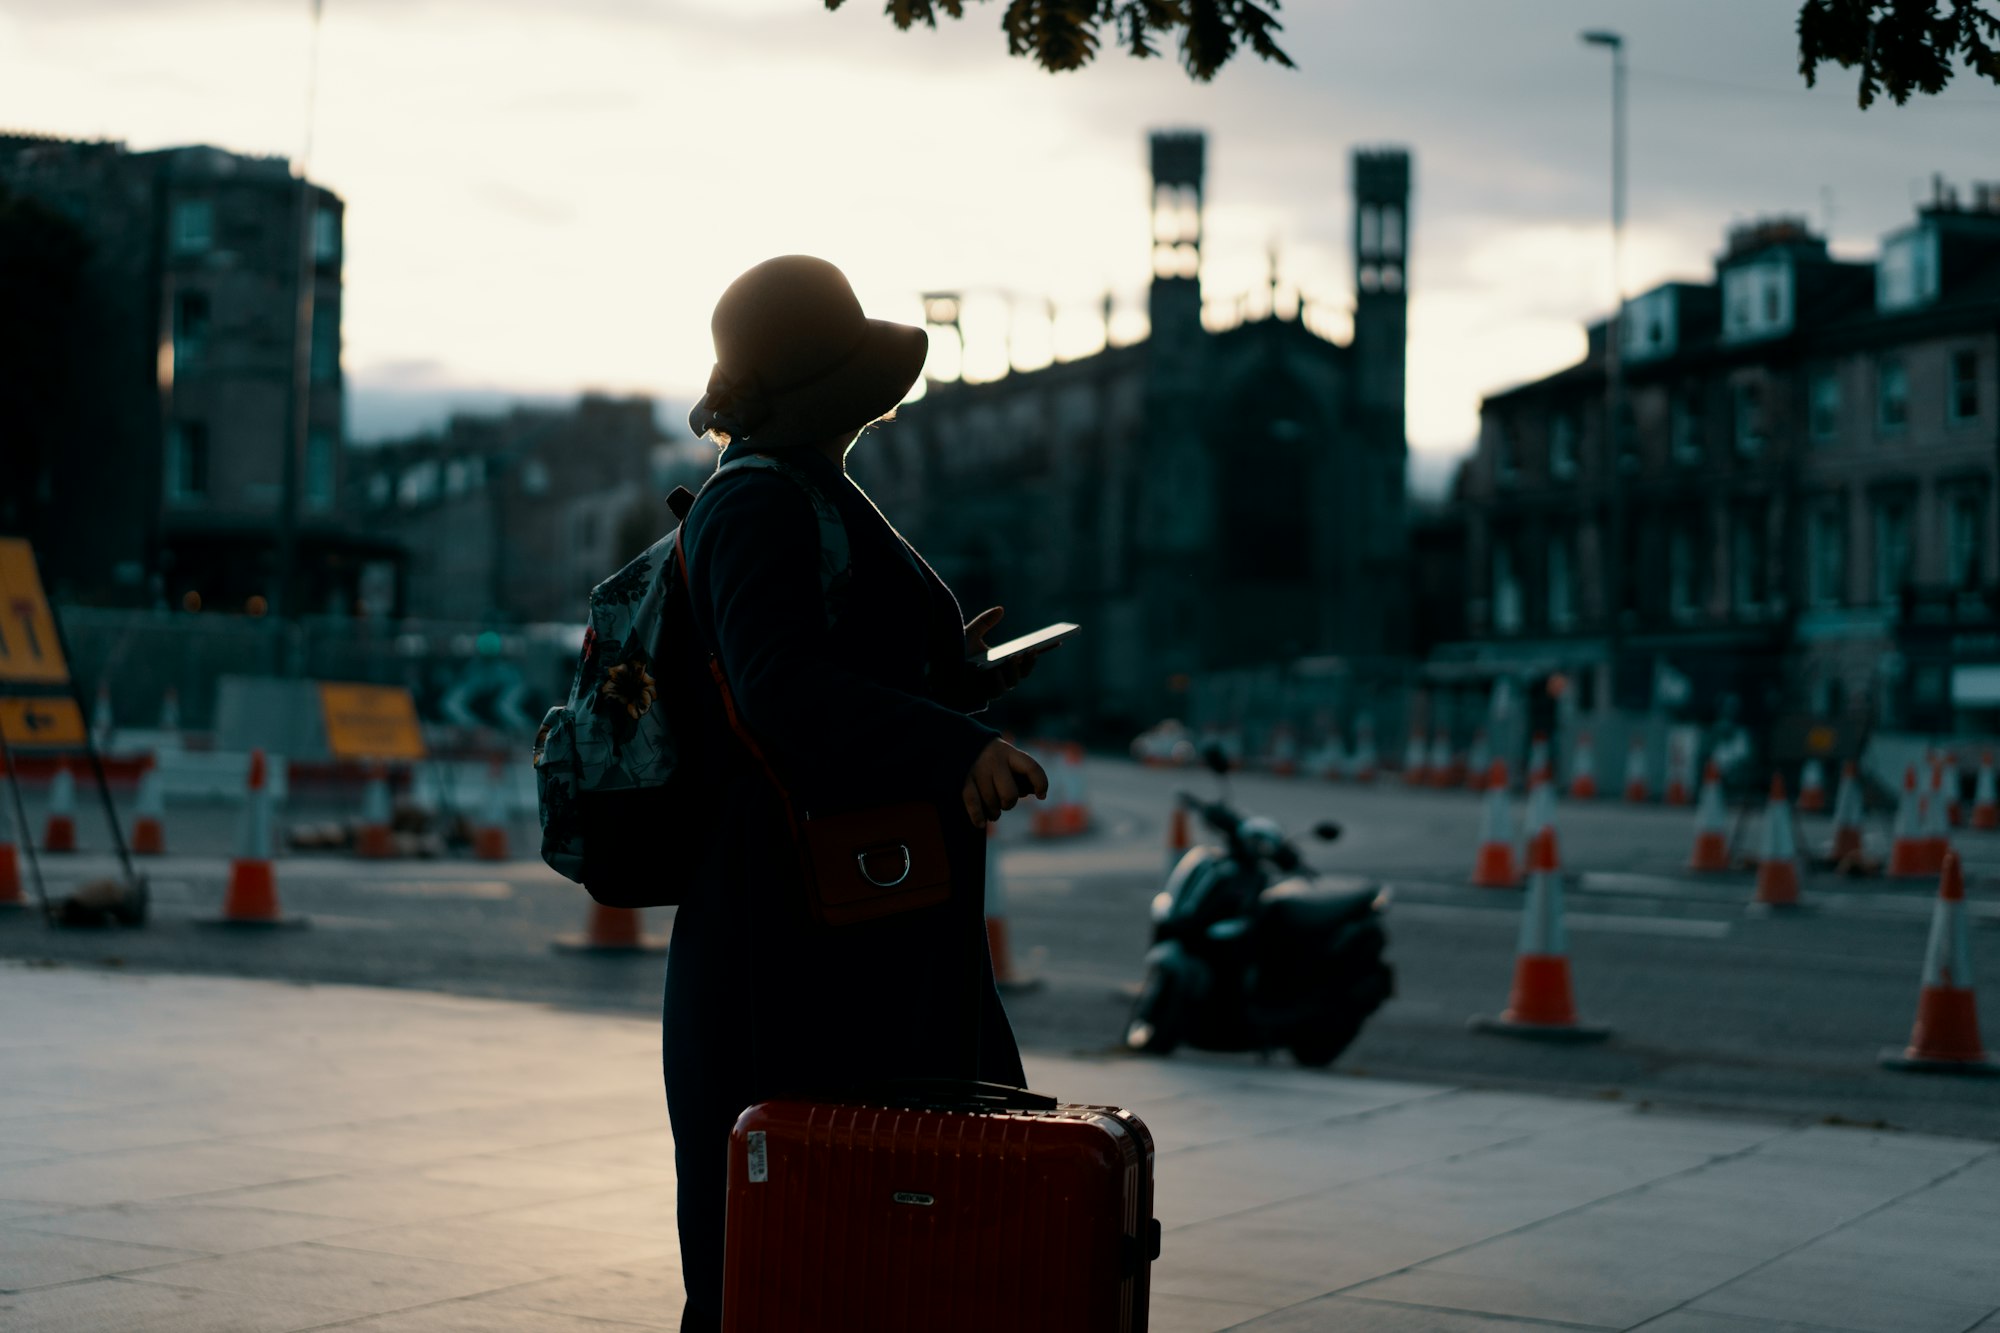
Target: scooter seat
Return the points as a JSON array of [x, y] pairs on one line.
[[1324, 904]]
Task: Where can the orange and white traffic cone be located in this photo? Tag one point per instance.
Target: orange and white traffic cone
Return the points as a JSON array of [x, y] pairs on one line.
[[1067, 812], [59, 828], [1179, 838], [1284, 751], [1005, 975], [1477, 760], [1680, 771], [1542, 1003], [1812, 788], [252, 896], [1539, 760], [1416, 768], [1931, 830], [149, 815], [1493, 866], [1711, 825], [1985, 800], [1945, 1038], [1541, 814], [10, 863], [1778, 866], [1583, 769], [611, 930], [1444, 771], [489, 837], [1638, 790], [1847, 814], [1907, 853], [1366, 762], [374, 834]]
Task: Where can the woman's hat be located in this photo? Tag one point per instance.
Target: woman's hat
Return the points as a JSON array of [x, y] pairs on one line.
[[796, 362]]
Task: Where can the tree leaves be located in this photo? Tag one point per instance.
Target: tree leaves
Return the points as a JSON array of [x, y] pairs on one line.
[[1900, 46], [1062, 35]]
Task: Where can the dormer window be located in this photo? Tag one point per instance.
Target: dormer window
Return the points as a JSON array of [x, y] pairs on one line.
[[1907, 274], [1757, 300]]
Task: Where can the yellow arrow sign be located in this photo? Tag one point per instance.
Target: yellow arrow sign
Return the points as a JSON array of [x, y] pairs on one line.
[[41, 724], [29, 649], [370, 721]]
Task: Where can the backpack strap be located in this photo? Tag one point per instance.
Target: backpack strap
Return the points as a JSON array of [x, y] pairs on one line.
[[836, 557]]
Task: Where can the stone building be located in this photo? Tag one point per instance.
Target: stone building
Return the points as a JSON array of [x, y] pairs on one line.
[[511, 518], [166, 483], [1805, 492], [1223, 493]]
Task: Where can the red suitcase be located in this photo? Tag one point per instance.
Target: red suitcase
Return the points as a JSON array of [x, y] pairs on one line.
[[966, 1208]]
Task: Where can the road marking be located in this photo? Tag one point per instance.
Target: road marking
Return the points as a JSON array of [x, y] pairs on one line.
[[1680, 927], [439, 888]]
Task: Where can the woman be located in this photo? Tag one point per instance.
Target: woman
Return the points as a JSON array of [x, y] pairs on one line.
[[859, 695]]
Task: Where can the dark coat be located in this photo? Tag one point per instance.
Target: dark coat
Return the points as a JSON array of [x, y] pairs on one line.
[[870, 711]]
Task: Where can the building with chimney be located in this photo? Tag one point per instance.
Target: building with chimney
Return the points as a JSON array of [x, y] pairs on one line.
[[150, 467], [1807, 477], [1225, 492]]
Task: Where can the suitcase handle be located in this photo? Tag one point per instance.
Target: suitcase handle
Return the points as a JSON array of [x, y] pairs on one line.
[[948, 1092]]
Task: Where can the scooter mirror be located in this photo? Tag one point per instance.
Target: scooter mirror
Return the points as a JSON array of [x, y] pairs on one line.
[[1217, 760], [1326, 830]]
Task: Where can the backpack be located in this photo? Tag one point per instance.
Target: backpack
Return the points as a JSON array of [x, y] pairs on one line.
[[627, 804]]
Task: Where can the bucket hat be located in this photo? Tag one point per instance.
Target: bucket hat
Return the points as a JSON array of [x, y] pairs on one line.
[[796, 360]]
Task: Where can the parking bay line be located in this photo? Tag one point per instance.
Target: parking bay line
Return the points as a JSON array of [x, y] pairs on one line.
[[1692, 928]]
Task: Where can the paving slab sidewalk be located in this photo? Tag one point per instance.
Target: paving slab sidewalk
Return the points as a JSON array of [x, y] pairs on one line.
[[214, 1155]]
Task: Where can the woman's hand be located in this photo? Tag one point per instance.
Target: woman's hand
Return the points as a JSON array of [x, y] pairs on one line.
[[996, 681], [1000, 777]]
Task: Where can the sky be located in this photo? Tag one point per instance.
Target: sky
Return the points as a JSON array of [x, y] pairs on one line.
[[543, 199]]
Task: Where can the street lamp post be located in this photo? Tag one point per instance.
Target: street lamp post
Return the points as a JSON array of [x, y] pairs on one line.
[[1614, 360]]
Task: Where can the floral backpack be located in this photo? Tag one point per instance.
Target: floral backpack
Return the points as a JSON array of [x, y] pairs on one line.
[[620, 810]]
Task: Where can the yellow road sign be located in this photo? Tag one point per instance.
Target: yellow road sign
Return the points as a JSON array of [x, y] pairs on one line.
[[370, 721], [41, 724], [30, 653]]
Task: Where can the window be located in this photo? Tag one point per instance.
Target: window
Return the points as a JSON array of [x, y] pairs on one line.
[[192, 229], [1892, 548], [1823, 404], [1506, 450], [1965, 385], [1826, 555], [1562, 600], [320, 471], [1506, 590], [1756, 300], [1908, 272], [187, 461], [535, 477], [456, 479], [326, 236], [1965, 525], [379, 489], [1687, 426], [1746, 418], [190, 329], [1892, 394], [1562, 445], [1683, 595], [325, 345], [1746, 560], [418, 485]]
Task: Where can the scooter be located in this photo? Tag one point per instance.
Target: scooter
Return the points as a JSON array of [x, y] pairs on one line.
[[1254, 950]]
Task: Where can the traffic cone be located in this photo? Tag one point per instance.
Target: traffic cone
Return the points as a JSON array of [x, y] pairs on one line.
[[1847, 813], [1541, 1003], [1711, 825], [1931, 830], [149, 830], [1178, 838], [489, 838], [1541, 817], [1637, 790], [1907, 852], [1680, 771], [374, 835], [10, 863], [1416, 769], [1954, 784], [101, 726], [1945, 1038], [59, 829], [1583, 769], [1812, 787], [1366, 762], [1284, 751], [610, 930], [1330, 760], [1477, 760], [1493, 867], [170, 710], [1442, 771], [252, 896], [1778, 866], [1538, 756], [1985, 801], [1005, 976]]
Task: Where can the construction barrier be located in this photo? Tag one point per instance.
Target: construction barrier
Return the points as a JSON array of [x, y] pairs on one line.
[[252, 896], [1542, 1004], [59, 828], [610, 930], [1711, 825], [1493, 865], [1945, 1037], [1778, 862], [149, 814]]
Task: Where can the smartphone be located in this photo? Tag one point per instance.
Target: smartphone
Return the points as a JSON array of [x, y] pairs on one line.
[[1027, 643]]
